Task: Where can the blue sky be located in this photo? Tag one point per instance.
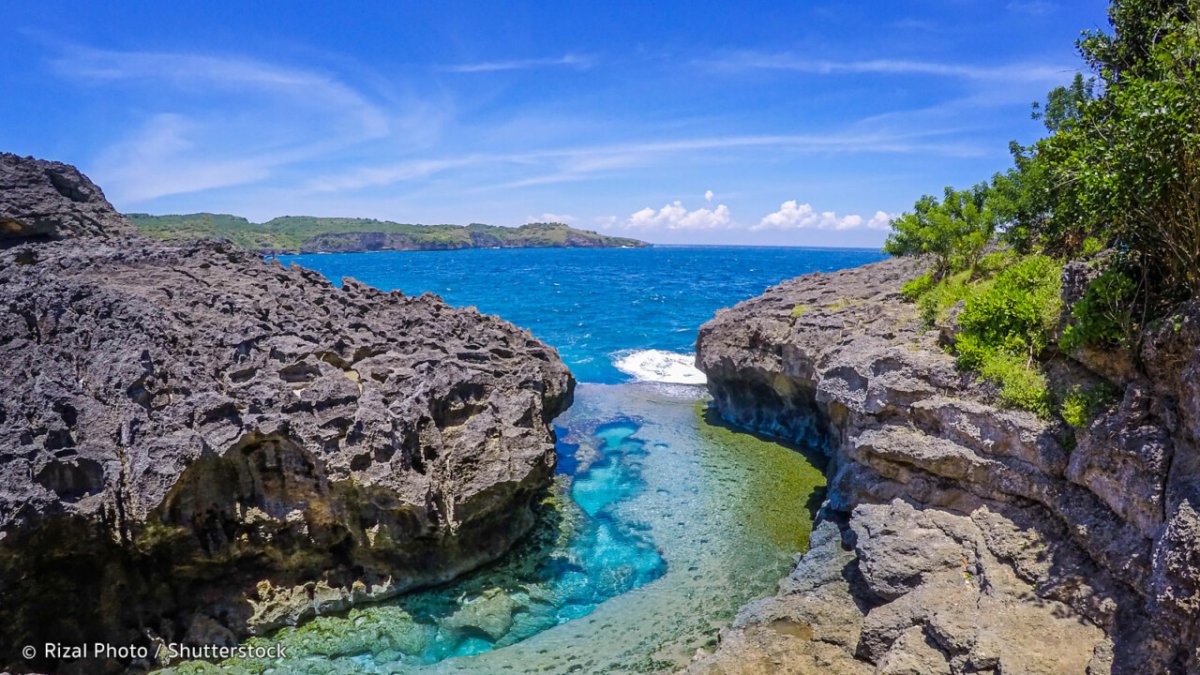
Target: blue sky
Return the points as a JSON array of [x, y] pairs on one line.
[[803, 123]]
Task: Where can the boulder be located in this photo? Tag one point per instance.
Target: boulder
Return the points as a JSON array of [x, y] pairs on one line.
[[194, 441]]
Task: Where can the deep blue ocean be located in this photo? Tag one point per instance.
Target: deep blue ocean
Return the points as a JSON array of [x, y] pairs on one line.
[[662, 521], [599, 307]]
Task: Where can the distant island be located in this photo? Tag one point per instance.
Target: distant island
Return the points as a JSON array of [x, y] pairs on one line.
[[306, 234]]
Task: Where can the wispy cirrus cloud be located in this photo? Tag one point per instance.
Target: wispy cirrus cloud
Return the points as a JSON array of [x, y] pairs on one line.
[[576, 163], [1020, 72], [579, 62], [197, 73], [217, 121], [1033, 7]]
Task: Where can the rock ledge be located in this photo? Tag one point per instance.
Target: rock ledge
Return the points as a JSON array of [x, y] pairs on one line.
[[959, 537]]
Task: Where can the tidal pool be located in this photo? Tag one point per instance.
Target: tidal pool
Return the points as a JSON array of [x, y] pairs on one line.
[[661, 525]]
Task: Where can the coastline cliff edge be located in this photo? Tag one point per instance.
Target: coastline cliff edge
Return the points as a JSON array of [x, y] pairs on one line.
[[196, 445], [958, 536]]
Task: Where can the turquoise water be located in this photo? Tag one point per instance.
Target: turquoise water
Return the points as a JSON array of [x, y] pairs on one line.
[[661, 523], [668, 526], [593, 305]]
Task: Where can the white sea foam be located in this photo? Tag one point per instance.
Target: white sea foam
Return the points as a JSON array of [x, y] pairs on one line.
[[656, 365]]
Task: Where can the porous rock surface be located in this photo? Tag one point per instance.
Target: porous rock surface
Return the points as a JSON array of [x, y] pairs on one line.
[[40, 199], [959, 537], [196, 445]]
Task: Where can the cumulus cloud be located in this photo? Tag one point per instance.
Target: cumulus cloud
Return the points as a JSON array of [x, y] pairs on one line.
[[675, 216], [793, 215], [708, 195], [880, 221]]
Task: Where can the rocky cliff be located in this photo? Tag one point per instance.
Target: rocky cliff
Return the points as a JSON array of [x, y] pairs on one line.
[[957, 536], [196, 445]]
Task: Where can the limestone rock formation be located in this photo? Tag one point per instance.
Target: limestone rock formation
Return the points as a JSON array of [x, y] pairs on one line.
[[196, 444], [52, 200], [960, 537]]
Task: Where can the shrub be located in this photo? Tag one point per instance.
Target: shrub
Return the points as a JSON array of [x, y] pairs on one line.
[[953, 231], [1122, 164], [1017, 312], [1080, 405], [1074, 410], [994, 263], [799, 310], [1022, 383], [913, 290], [934, 305], [1006, 323], [1103, 316], [1091, 247]]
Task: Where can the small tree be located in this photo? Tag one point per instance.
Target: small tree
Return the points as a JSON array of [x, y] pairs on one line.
[[954, 231], [1122, 164]]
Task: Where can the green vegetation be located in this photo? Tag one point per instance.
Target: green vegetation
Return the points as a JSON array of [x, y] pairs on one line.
[[935, 304], [1022, 383], [1009, 321], [1102, 317], [1080, 405], [1015, 313], [953, 232], [1116, 181], [294, 234], [799, 310]]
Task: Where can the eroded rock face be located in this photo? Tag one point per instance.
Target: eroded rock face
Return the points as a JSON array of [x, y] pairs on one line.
[[52, 200], [196, 444], [959, 537]]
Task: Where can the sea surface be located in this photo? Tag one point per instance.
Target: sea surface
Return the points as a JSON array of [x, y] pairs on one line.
[[598, 307], [662, 522]]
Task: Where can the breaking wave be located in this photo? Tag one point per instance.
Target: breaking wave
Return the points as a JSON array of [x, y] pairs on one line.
[[656, 365]]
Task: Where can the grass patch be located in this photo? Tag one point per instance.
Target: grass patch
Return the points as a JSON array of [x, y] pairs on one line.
[[1022, 383], [842, 303], [1011, 309]]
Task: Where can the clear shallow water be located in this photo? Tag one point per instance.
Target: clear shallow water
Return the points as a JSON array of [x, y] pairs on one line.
[[662, 523], [672, 524], [595, 305]]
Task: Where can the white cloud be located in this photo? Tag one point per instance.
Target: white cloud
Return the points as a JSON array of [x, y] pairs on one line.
[[160, 160], [795, 216], [1033, 7], [1011, 72], [675, 216], [553, 218], [849, 222], [192, 72], [708, 195], [567, 164], [880, 221], [244, 120], [572, 60]]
